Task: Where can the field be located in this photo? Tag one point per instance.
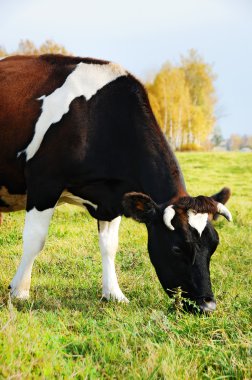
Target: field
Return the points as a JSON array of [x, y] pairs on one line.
[[65, 331]]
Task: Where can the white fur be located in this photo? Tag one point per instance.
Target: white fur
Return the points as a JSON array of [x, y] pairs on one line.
[[67, 197], [197, 220], [85, 80], [224, 211], [34, 235], [169, 214], [108, 239]]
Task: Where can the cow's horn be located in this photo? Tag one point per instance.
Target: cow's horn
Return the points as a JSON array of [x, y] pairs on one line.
[[222, 210], [169, 213]]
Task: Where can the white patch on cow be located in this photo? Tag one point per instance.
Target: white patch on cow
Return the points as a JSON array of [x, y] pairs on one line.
[[67, 197], [197, 220], [169, 214], [42, 97], [34, 235], [85, 80], [108, 240], [1, 58]]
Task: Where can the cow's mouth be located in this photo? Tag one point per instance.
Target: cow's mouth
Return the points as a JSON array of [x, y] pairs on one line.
[[203, 305]]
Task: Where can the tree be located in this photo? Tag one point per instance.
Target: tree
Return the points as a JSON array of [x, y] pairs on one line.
[[171, 102], [234, 142], [27, 47], [246, 141], [217, 137], [199, 78], [3, 52], [50, 47], [183, 100]]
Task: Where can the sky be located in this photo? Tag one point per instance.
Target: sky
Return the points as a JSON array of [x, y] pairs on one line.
[[142, 35]]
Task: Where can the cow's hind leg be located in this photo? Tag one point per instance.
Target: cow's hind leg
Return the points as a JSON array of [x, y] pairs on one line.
[[108, 239], [41, 201], [34, 235]]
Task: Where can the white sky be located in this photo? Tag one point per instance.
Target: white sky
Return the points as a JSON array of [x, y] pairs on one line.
[[143, 34]]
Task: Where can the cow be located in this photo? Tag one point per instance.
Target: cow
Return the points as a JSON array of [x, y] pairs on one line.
[[82, 131]]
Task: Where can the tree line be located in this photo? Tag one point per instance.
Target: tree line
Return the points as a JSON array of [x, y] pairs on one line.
[[27, 47]]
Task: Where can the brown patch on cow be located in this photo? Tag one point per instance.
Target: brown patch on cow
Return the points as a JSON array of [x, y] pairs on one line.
[[182, 219], [11, 202], [20, 107], [59, 59], [200, 204], [140, 206]]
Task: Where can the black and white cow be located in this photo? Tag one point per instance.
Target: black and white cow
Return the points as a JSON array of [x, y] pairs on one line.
[[82, 131]]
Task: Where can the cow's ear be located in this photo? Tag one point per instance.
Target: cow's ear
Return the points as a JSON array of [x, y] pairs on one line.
[[221, 197], [140, 207]]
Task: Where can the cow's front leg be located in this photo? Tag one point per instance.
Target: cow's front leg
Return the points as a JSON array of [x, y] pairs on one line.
[[108, 239], [34, 235]]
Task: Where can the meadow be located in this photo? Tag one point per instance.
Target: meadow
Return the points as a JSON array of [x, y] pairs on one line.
[[64, 331]]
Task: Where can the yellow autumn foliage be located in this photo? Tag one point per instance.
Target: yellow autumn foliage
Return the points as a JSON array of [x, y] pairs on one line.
[[183, 99]]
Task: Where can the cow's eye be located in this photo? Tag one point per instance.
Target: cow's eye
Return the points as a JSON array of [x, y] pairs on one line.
[[176, 250]]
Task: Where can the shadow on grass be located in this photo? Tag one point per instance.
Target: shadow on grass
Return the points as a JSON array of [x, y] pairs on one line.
[[83, 299], [80, 299], [46, 298]]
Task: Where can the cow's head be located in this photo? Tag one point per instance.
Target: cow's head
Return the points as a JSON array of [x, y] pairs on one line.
[[181, 241]]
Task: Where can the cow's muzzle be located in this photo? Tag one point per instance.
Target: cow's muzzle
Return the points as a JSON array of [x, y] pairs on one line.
[[207, 305], [200, 305]]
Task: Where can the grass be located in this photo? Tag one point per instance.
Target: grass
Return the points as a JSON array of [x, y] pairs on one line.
[[64, 331]]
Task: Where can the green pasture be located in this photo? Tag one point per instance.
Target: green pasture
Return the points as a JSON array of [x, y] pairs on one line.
[[64, 331]]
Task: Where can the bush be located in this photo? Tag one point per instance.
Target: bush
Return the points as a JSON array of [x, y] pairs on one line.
[[190, 147]]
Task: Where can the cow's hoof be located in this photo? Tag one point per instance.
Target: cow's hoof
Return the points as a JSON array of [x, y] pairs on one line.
[[118, 296], [19, 294]]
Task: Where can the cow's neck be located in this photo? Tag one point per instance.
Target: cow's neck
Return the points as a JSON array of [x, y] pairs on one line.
[[164, 181]]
